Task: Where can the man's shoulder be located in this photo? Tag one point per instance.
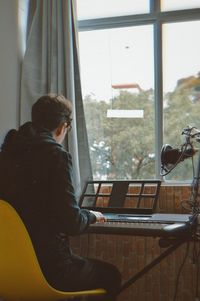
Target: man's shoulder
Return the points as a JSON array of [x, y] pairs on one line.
[[58, 153]]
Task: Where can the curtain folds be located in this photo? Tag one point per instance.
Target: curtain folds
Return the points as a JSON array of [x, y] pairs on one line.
[[51, 65]]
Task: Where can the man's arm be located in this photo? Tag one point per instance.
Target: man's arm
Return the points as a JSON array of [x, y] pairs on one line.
[[70, 217]]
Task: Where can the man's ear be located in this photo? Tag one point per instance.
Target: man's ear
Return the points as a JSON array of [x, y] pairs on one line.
[[60, 129]]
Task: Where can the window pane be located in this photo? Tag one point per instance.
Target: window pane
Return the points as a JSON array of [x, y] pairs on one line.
[[117, 83], [181, 74], [179, 4], [92, 9]]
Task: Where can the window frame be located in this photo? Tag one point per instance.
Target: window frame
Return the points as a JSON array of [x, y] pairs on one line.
[[157, 18]]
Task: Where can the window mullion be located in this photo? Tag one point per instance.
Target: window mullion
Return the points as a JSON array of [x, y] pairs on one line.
[[154, 6], [114, 22], [158, 93]]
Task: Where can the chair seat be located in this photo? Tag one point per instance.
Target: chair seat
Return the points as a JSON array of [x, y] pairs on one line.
[[21, 277]]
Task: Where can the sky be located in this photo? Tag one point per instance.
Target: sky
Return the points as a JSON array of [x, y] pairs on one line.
[[125, 55], [88, 9]]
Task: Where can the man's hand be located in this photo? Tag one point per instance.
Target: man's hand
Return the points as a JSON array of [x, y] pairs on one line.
[[100, 218]]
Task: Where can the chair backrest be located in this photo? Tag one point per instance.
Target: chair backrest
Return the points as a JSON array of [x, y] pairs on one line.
[[20, 275]]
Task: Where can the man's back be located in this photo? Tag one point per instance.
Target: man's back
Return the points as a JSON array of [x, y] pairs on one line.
[[36, 179]]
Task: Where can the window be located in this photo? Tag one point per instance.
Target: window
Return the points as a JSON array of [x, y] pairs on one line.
[[133, 60], [178, 5], [117, 82], [181, 85], [93, 9]]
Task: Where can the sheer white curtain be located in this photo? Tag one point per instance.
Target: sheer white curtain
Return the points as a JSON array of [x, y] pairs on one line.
[[51, 65]]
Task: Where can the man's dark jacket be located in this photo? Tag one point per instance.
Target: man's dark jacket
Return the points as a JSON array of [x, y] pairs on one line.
[[36, 178]]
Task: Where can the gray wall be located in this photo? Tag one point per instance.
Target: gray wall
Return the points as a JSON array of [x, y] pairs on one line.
[[11, 52]]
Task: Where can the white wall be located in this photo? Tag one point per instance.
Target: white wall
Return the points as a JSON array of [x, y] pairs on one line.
[[10, 58]]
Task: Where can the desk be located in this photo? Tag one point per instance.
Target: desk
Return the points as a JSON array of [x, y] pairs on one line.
[[172, 229]]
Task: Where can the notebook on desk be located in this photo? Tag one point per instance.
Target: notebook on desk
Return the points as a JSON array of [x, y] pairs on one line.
[[122, 200]]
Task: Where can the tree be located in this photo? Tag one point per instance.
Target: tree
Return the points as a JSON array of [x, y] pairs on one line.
[[181, 111], [123, 148]]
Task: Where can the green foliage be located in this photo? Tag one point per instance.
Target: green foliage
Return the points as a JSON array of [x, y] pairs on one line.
[[123, 148], [181, 111]]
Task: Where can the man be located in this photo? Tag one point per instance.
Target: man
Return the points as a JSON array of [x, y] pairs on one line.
[[36, 178]]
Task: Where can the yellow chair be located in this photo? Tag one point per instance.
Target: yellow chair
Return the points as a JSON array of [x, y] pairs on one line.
[[20, 275]]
